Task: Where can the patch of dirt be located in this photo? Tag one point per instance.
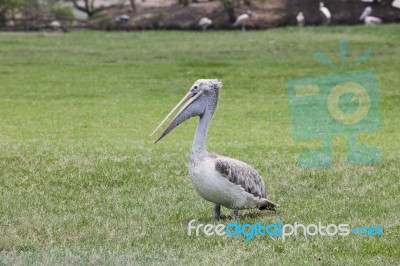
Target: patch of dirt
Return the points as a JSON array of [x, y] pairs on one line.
[[168, 14], [175, 16]]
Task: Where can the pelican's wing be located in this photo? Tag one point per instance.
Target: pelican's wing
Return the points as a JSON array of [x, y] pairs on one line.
[[374, 20], [241, 174]]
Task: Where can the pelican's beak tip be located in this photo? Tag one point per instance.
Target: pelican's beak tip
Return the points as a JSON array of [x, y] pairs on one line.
[[159, 138]]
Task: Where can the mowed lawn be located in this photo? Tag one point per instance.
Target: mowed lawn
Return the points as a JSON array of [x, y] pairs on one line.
[[81, 181]]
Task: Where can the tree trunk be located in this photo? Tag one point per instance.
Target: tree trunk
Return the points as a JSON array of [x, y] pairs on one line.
[[230, 9], [133, 5], [88, 7], [184, 2]]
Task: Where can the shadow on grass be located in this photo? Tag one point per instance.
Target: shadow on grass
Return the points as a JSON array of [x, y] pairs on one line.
[[4, 250], [243, 216]]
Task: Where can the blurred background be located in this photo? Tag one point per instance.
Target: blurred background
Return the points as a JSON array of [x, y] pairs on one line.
[[65, 15]]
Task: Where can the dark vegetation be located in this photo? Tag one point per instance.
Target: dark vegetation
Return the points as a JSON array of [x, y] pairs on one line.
[[183, 14]]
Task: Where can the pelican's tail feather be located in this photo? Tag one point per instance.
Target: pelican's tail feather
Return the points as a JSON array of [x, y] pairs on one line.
[[268, 205]]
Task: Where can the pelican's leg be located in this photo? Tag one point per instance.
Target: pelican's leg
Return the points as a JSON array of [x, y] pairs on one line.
[[217, 211], [235, 213]]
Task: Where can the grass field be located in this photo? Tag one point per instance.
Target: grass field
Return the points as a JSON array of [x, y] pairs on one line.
[[82, 183]]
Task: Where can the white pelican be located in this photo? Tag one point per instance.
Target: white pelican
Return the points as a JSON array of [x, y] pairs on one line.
[[242, 20], [224, 181], [369, 20], [396, 3], [325, 13], [122, 18], [300, 19], [56, 25], [204, 23]]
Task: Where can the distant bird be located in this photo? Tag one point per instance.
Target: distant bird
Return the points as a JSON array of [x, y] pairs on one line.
[[56, 25], [224, 181], [369, 20], [122, 18], [396, 3], [326, 15], [204, 23], [300, 19], [242, 20]]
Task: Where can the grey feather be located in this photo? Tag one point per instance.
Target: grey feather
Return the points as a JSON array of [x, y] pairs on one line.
[[241, 174]]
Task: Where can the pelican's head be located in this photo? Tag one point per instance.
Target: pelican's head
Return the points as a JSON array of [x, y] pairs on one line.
[[321, 4], [202, 93], [366, 13]]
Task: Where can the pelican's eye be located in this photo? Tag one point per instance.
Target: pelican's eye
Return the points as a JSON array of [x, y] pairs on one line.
[[195, 89]]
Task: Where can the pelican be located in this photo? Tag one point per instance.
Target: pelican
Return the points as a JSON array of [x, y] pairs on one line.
[[369, 20], [221, 180], [122, 18], [242, 20], [325, 13], [56, 25], [396, 3], [300, 19], [204, 23]]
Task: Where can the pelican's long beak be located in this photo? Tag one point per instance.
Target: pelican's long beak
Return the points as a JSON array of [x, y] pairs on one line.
[[189, 109]]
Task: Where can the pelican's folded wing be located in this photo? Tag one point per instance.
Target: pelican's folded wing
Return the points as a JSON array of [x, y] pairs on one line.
[[241, 174]]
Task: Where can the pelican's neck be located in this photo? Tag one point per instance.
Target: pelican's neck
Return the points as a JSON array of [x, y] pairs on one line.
[[199, 142]]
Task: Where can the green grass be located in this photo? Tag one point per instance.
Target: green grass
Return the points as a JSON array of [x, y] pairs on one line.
[[82, 183]]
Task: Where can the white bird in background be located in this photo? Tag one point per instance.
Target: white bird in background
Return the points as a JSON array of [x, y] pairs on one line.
[[224, 181], [55, 24], [325, 14], [396, 3], [204, 23], [369, 20], [300, 19], [122, 18], [242, 20]]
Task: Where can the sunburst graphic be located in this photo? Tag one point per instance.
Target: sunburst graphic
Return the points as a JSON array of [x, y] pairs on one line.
[[343, 43], [344, 103]]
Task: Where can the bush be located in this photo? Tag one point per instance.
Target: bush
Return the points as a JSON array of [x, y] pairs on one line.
[[64, 14], [102, 22]]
